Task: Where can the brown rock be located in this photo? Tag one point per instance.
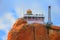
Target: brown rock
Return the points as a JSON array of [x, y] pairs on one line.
[[23, 31]]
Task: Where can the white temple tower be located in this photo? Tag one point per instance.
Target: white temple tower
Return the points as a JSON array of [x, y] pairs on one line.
[[33, 18]]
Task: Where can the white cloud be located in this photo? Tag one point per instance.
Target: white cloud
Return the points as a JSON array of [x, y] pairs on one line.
[[5, 36], [51, 2], [19, 12], [56, 9], [10, 18], [6, 23]]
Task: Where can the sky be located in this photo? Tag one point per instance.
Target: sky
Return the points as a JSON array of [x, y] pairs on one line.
[[11, 10]]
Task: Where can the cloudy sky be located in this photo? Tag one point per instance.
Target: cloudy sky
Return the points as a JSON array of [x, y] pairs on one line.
[[11, 10]]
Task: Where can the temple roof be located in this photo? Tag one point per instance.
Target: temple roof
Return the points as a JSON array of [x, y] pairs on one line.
[[29, 11], [34, 15]]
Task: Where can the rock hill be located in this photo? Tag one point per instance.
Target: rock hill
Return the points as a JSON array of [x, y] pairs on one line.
[[21, 30]]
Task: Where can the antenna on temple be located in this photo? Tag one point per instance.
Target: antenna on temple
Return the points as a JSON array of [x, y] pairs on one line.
[[49, 15], [49, 23]]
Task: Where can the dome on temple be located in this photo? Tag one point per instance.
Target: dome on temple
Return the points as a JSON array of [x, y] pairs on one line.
[[29, 12]]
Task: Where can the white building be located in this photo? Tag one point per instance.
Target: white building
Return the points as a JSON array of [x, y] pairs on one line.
[[33, 18]]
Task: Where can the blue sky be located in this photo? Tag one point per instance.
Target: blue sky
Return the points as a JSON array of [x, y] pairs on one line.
[[11, 10]]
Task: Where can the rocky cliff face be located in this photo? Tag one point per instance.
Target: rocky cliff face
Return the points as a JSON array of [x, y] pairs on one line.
[[23, 31]]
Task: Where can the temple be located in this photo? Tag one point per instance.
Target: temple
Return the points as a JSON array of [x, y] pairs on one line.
[[33, 18]]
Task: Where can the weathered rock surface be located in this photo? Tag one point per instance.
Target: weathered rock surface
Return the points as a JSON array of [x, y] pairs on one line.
[[23, 31]]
